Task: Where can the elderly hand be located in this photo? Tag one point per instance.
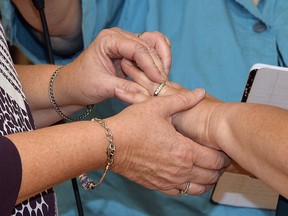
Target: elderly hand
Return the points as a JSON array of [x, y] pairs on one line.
[[152, 153], [193, 123], [102, 66]]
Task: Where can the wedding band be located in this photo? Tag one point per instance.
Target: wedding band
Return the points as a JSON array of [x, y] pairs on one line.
[[158, 89], [140, 34], [185, 191]]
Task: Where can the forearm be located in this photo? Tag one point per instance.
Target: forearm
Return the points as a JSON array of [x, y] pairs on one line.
[[48, 159], [34, 79], [63, 19], [255, 136]]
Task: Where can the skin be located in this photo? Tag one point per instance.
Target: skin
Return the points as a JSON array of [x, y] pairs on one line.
[[255, 1], [60, 150], [65, 31], [100, 63], [53, 154], [253, 135]]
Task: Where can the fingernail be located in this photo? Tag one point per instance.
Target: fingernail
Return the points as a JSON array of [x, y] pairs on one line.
[[119, 90], [127, 61], [199, 91], [163, 78]]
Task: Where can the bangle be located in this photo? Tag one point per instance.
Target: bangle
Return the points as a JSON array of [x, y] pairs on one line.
[[55, 105], [86, 182]]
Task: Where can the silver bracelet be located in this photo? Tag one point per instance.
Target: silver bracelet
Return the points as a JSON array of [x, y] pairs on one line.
[[55, 105], [86, 182]]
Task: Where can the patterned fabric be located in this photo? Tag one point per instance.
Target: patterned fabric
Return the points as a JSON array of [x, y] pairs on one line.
[[15, 117]]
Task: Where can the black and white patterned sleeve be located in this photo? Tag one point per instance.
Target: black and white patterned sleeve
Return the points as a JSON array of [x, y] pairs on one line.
[[11, 175]]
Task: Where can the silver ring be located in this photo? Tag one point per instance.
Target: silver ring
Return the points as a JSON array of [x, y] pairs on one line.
[[185, 191], [158, 89]]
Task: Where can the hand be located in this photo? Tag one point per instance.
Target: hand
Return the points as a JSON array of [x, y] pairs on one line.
[[152, 153], [193, 123], [102, 66]]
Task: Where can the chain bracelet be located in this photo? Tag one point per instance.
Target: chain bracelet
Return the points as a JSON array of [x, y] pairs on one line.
[[55, 105], [86, 182]]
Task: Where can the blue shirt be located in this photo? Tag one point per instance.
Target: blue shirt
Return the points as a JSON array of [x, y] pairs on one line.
[[214, 43]]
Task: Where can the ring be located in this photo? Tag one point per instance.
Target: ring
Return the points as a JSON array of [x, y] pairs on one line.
[[158, 89], [185, 191], [140, 35]]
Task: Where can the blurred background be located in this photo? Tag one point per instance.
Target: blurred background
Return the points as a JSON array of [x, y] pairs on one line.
[[18, 57]]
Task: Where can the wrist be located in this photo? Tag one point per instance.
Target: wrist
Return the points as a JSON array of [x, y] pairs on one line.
[[218, 126]]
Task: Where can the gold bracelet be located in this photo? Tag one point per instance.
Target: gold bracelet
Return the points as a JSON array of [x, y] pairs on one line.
[[86, 182]]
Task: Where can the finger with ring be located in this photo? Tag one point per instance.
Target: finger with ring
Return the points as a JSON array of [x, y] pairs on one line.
[[158, 89], [140, 35], [185, 191]]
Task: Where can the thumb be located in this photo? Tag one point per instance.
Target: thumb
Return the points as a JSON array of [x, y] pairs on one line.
[[180, 101], [130, 97], [130, 86]]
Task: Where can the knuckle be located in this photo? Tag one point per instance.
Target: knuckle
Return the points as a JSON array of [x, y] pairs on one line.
[[159, 35], [220, 161], [152, 51], [214, 177], [105, 32], [183, 96], [200, 189], [141, 49]]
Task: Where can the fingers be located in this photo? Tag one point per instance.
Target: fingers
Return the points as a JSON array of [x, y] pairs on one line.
[[171, 104], [162, 44], [130, 97], [179, 101], [139, 77], [120, 44], [209, 158], [193, 189], [158, 45]]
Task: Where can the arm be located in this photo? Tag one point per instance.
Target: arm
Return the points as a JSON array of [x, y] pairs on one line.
[[92, 77], [253, 135], [51, 155], [64, 28]]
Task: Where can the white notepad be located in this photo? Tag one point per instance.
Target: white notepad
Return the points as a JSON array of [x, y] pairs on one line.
[[266, 85]]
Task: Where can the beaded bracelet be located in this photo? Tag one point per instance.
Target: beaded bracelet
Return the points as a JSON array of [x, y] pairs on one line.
[[55, 105], [86, 182]]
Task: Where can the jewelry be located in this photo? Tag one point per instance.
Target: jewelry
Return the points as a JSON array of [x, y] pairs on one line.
[[55, 105], [159, 88], [185, 191], [140, 35], [86, 182]]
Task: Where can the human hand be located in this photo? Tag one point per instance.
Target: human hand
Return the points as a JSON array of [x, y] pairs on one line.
[[152, 153], [193, 123], [102, 66]]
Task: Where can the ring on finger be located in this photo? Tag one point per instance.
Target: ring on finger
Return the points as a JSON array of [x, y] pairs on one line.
[[140, 35], [159, 88], [185, 191]]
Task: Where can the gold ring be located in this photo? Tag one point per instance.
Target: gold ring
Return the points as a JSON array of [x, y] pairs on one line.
[[185, 191], [140, 35], [159, 88]]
